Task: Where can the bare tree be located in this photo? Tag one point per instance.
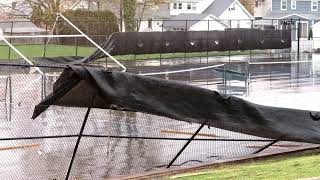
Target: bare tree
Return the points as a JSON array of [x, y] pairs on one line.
[[141, 7], [145, 5]]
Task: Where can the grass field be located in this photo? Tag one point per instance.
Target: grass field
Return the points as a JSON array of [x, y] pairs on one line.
[[37, 51], [66, 50], [305, 166]]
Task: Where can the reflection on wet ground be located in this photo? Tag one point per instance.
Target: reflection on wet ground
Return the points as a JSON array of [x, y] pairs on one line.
[[128, 143]]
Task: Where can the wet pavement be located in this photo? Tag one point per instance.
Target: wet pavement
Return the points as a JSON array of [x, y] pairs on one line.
[[156, 139]]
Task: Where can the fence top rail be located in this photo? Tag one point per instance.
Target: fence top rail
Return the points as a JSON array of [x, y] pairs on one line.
[[61, 66], [279, 62], [42, 36], [263, 19]]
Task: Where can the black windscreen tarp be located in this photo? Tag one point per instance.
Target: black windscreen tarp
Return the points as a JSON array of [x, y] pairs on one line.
[[194, 41], [130, 92], [126, 43]]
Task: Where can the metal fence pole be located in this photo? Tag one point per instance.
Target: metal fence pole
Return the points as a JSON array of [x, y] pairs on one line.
[[10, 40], [5, 97], [185, 47], [43, 89], [250, 53], [186, 145], [80, 136], [265, 147], [298, 36], [162, 44], [10, 97], [76, 45], [45, 43], [208, 41], [229, 49]]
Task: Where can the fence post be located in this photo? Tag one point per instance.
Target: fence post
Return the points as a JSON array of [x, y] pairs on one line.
[[10, 98], [229, 49], [298, 36], [208, 41], [250, 53], [80, 136], [76, 44], [162, 44], [138, 24], [186, 145], [185, 47], [10, 40], [45, 43]]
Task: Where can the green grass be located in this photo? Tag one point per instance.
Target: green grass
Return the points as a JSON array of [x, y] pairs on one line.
[[305, 166], [37, 51], [65, 50]]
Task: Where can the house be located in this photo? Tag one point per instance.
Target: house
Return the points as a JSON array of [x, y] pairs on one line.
[[288, 14], [152, 19], [316, 36], [22, 27], [15, 8], [92, 5], [200, 15]]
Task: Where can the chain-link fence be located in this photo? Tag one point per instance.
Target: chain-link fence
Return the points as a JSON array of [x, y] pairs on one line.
[[122, 143], [305, 39], [113, 143]]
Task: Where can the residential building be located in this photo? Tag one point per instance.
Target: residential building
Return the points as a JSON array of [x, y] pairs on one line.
[[297, 15], [200, 15], [91, 5], [15, 8], [287, 14]]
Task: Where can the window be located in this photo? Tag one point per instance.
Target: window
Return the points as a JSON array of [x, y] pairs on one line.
[[194, 6], [314, 5], [150, 23], [303, 29], [293, 4], [14, 5], [178, 29], [189, 6], [175, 5], [180, 6], [284, 4]]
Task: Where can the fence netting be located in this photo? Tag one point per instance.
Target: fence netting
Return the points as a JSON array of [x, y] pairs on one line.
[[114, 142]]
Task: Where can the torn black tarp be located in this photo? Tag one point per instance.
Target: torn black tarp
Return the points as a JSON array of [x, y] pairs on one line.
[[131, 92]]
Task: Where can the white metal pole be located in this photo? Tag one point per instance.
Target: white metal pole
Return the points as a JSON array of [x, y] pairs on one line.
[[19, 53], [51, 33], [94, 43]]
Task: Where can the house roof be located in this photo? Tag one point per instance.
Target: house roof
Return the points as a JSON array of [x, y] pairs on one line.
[[183, 20], [218, 7], [290, 14], [20, 26]]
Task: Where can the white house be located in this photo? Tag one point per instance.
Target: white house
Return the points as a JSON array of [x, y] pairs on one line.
[[200, 15], [316, 35]]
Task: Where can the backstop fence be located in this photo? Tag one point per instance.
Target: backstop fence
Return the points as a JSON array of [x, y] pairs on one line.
[[117, 143]]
